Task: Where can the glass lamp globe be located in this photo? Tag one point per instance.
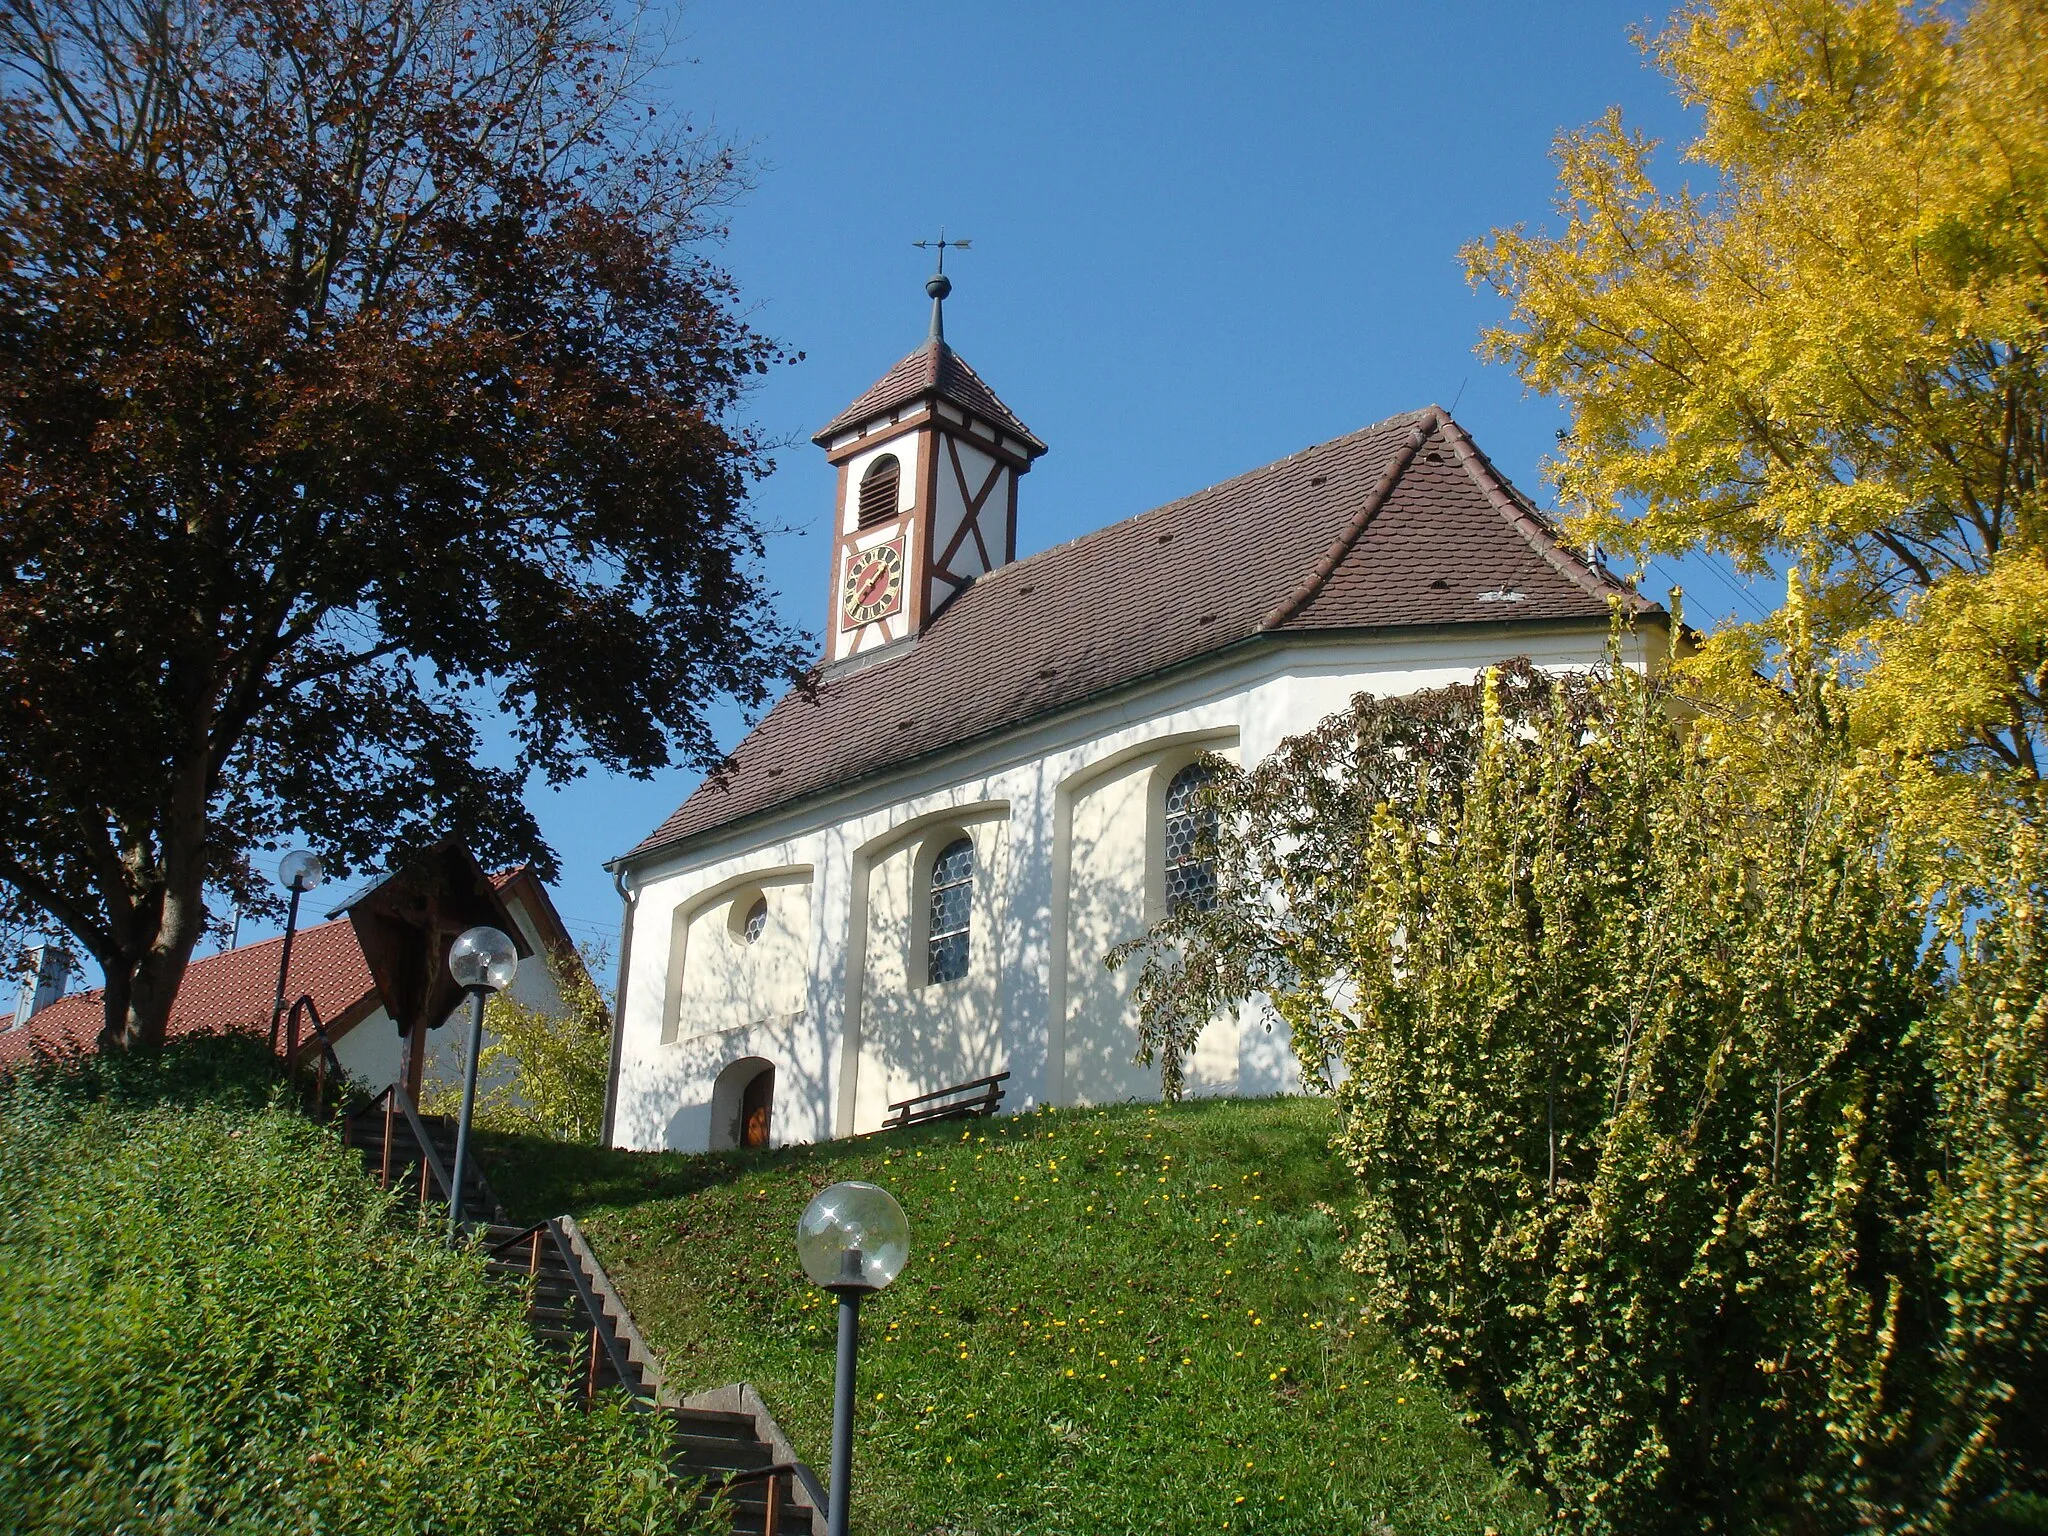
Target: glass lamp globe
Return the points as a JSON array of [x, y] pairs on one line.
[[853, 1237], [301, 871], [483, 957]]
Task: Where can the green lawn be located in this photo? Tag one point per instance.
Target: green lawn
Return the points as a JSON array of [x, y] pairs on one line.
[[1131, 1319]]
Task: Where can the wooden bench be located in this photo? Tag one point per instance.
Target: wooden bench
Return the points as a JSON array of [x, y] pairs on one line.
[[963, 1101]]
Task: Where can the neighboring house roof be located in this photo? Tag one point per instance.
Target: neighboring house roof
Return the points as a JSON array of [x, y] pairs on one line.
[[232, 991], [934, 370], [1404, 523]]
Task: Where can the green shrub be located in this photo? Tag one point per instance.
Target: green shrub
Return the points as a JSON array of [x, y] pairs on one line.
[[1989, 1219], [211, 1322], [540, 1074], [1692, 1160]]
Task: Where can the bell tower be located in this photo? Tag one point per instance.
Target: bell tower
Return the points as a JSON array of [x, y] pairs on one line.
[[928, 462]]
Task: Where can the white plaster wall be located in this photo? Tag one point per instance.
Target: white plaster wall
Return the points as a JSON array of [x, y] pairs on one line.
[[906, 449], [893, 626], [1115, 891], [665, 1084], [723, 982], [1105, 905], [533, 986], [370, 1052], [1067, 840], [949, 512], [915, 1036]]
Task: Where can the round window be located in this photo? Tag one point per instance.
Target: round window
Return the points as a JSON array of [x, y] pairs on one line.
[[757, 921]]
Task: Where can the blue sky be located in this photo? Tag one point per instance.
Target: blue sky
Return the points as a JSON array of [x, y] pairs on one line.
[[1204, 237]]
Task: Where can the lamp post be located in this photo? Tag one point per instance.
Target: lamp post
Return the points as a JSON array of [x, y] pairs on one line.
[[299, 873], [853, 1240], [482, 961]]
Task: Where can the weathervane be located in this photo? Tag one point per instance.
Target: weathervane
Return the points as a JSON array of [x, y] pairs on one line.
[[938, 285]]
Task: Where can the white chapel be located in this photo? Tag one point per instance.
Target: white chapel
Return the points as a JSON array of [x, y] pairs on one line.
[[906, 877]]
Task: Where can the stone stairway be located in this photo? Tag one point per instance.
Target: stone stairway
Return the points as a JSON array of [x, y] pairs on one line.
[[726, 1436]]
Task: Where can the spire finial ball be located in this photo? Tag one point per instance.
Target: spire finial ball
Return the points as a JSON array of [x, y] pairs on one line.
[[938, 285]]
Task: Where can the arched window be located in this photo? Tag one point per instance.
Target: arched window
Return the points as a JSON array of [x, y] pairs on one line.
[[757, 921], [952, 903], [1190, 876], [878, 490]]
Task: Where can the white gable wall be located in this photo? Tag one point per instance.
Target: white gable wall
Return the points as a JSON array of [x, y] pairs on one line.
[[1065, 814], [372, 1051], [967, 540]]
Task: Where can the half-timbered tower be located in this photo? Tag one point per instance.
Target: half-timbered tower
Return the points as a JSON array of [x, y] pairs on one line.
[[928, 462]]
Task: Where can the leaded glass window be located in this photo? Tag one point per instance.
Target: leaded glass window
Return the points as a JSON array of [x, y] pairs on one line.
[[1190, 876], [757, 921], [952, 906]]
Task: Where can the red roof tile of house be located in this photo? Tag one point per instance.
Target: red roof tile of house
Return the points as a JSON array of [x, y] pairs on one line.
[[232, 991], [1404, 523], [933, 371]]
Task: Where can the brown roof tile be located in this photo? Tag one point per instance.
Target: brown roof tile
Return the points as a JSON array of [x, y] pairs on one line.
[[934, 369], [1404, 523]]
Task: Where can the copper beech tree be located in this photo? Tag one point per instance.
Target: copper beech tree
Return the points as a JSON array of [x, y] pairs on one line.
[[362, 380]]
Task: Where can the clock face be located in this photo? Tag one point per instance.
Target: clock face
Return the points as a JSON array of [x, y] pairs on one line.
[[874, 583]]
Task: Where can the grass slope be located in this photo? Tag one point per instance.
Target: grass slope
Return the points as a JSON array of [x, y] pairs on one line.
[[1131, 1319], [212, 1322]]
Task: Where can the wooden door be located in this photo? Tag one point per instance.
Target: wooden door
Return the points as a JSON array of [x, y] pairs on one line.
[[755, 1106]]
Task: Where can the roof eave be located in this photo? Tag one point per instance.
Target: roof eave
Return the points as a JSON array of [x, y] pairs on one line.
[[1258, 639]]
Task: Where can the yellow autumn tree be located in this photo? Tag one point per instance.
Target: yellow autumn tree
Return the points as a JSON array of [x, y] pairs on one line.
[[542, 1072], [1825, 347]]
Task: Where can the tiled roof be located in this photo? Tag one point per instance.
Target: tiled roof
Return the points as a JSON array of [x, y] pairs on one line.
[[227, 992], [933, 369], [1401, 524], [232, 991]]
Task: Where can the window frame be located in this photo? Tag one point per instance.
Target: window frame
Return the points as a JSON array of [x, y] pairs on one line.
[[1202, 773], [936, 936], [754, 923]]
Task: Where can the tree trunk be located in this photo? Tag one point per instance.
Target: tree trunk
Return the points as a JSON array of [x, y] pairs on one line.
[[142, 986]]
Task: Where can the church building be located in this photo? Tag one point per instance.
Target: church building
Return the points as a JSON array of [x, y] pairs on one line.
[[906, 877]]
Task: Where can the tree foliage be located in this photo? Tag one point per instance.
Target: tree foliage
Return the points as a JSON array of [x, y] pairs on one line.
[[1697, 1099], [546, 1072], [360, 379], [1831, 349]]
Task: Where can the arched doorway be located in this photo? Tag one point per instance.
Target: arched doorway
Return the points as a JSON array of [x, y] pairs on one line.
[[757, 1104], [743, 1104]]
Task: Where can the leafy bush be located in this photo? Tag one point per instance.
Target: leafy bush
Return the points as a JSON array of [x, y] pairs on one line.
[[212, 1323], [545, 1072], [1708, 1177]]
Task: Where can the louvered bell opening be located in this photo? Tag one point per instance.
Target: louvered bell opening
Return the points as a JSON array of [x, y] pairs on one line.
[[878, 488]]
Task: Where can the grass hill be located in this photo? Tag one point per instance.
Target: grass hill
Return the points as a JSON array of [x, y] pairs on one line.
[[212, 1321], [1120, 1320]]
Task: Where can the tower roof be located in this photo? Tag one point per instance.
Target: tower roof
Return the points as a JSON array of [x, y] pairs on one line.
[[933, 372]]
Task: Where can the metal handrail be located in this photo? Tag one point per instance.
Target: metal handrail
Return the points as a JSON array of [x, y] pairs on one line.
[[305, 1004], [622, 1363], [771, 1516], [520, 1236], [429, 1158]]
